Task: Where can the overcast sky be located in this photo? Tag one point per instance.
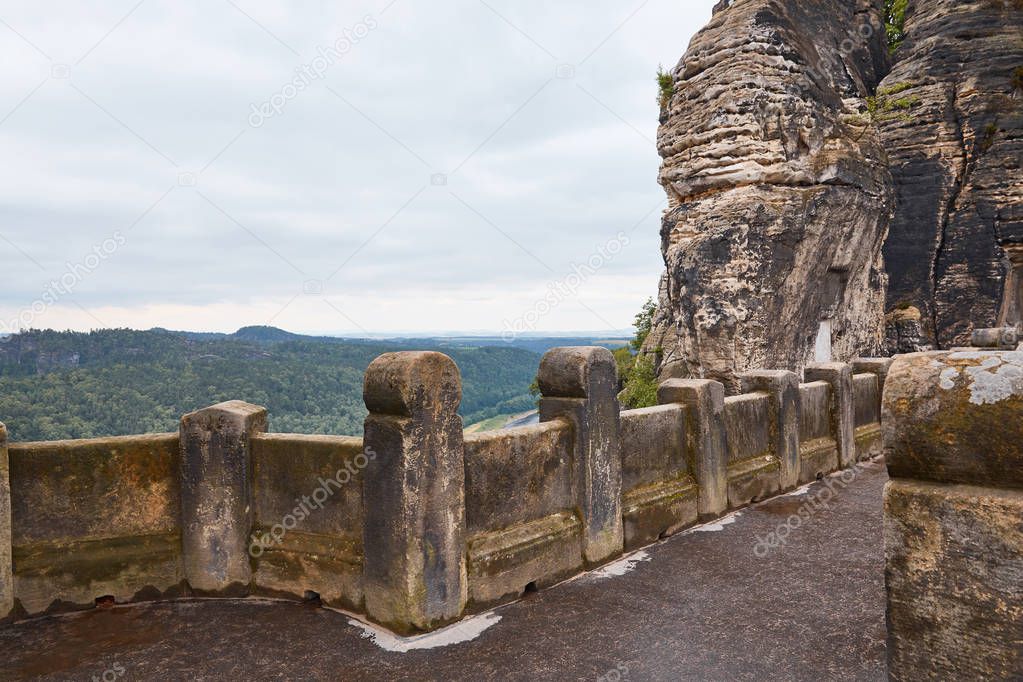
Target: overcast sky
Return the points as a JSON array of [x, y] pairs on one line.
[[332, 167]]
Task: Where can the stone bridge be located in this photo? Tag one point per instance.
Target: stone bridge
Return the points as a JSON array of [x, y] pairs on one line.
[[711, 537]]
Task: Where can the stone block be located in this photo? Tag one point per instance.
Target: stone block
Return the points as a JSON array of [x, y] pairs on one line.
[[956, 417], [95, 517], [216, 500], [705, 438], [580, 384], [841, 405], [783, 389], [659, 493], [953, 424], [954, 580], [414, 570], [879, 367]]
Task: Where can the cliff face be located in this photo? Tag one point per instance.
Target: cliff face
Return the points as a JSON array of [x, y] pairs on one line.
[[956, 150], [779, 194]]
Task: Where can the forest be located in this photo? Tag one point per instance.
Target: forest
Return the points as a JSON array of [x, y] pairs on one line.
[[59, 385]]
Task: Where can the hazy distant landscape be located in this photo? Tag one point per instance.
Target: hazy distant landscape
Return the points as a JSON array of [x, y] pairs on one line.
[[58, 385]]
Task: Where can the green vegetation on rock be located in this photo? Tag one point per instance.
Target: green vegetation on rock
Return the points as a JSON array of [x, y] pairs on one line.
[[665, 86], [635, 368], [895, 22]]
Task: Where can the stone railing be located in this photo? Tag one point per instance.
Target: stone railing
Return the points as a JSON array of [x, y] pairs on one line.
[[415, 524], [954, 514]]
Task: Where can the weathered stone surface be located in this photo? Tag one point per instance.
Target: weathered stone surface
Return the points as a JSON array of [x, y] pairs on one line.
[[778, 199], [818, 449], [783, 389], [659, 494], [520, 510], [955, 581], [879, 367], [414, 571], [705, 437], [216, 501], [953, 425], [94, 518], [6, 567], [867, 411], [307, 516], [753, 469], [955, 417], [1005, 338], [956, 154], [580, 384], [842, 408]]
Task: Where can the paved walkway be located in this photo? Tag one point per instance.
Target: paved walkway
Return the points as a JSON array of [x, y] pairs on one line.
[[702, 606]]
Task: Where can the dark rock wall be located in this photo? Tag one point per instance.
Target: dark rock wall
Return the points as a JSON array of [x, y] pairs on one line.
[[955, 145], [779, 194]]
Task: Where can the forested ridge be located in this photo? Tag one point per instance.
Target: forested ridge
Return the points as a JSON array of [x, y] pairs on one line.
[[56, 385]]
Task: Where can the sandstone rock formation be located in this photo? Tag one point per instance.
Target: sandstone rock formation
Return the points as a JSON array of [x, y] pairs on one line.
[[779, 195], [956, 154]]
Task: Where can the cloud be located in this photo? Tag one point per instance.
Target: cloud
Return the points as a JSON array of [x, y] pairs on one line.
[[440, 169]]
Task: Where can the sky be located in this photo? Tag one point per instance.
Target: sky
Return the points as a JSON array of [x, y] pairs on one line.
[[389, 166]]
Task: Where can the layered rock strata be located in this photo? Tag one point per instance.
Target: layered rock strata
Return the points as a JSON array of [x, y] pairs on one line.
[[779, 194], [952, 122]]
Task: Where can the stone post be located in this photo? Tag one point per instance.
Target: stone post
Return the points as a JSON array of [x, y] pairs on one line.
[[783, 387], [216, 504], [1005, 338], [705, 406], [6, 565], [580, 384], [953, 516], [414, 571], [879, 367], [841, 406]]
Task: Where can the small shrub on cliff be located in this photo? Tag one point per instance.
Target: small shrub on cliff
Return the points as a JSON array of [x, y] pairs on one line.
[[635, 368], [643, 322], [1017, 78], [883, 107], [641, 386], [895, 22], [665, 86]]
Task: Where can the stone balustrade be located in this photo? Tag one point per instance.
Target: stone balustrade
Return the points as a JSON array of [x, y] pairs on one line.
[[415, 524]]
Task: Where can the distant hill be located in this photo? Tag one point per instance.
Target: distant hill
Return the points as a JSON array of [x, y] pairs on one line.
[[56, 385]]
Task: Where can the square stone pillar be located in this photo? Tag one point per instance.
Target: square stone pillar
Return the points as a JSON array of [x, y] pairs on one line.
[[581, 384], [705, 441], [6, 565], [841, 406], [953, 516], [216, 504], [783, 387], [414, 569], [879, 367]]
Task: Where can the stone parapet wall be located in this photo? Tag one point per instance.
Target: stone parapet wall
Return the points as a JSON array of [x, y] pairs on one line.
[[415, 524]]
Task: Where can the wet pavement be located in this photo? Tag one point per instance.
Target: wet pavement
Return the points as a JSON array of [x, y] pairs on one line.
[[706, 605]]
